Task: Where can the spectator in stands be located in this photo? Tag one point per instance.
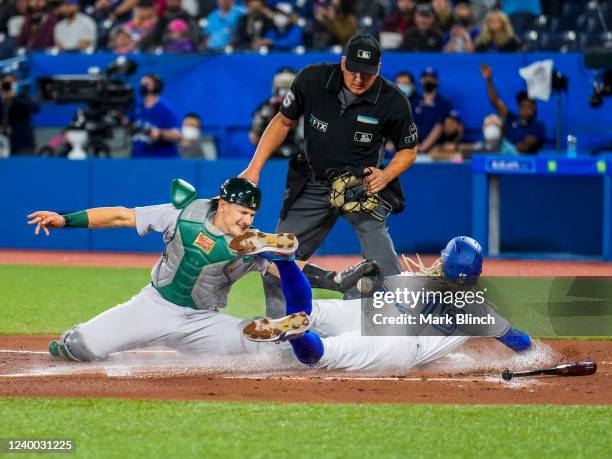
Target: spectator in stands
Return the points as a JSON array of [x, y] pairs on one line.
[[173, 11], [292, 145], [335, 23], [430, 111], [254, 25], [121, 42], [524, 131], [177, 37], [425, 36], [497, 34], [448, 145], [76, 31], [444, 13], [221, 24], [191, 131], [37, 30], [120, 10], [16, 110], [285, 34], [12, 15], [405, 81], [157, 128], [461, 37], [493, 140], [402, 19], [143, 21]]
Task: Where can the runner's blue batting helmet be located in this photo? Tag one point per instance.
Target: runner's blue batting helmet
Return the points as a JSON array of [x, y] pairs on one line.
[[462, 260]]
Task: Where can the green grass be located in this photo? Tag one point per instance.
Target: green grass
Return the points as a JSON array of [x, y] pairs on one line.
[[43, 299], [110, 428]]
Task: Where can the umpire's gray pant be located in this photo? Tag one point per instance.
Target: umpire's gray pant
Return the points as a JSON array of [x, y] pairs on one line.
[[311, 218]]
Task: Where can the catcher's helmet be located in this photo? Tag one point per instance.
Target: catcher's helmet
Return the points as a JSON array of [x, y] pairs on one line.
[[242, 192], [462, 260]]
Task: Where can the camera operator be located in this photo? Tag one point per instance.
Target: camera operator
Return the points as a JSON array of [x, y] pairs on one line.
[[16, 122], [268, 109], [155, 127]]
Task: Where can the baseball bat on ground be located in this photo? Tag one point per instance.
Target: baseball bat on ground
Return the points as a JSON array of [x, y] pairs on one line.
[[567, 369]]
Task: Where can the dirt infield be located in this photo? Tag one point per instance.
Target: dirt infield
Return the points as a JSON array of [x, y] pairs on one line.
[[471, 375]]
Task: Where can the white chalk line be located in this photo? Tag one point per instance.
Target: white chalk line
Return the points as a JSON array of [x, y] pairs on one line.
[[140, 351], [125, 373]]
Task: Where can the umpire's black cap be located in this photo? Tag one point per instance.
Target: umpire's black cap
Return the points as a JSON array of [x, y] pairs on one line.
[[363, 54]]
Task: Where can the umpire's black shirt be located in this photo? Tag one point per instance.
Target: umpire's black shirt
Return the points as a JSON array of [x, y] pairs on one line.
[[337, 136]]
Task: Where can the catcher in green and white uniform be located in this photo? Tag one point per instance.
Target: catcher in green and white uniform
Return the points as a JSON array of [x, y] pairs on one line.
[[209, 245]]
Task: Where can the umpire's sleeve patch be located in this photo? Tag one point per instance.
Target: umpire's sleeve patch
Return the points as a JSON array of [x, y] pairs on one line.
[[289, 99], [412, 135]]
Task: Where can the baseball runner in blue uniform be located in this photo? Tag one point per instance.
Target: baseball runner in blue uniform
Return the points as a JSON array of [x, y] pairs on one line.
[[327, 334]]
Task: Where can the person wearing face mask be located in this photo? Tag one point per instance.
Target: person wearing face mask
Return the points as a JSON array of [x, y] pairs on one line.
[[522, 128], [430, 111], [191, 131], [285, 34], [37, 30], [405, 81], [155, 125], [17, 109], [493, 140], [268, 109], [76, 31]]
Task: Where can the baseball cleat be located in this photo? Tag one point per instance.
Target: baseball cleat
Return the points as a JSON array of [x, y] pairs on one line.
[[254, 242], [283, 329], [54, 348]]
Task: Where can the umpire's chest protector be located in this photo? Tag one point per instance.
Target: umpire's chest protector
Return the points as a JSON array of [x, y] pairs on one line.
[[193, 270]]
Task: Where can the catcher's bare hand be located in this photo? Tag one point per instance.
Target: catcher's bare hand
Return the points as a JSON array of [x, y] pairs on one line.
[[45, 219], [375, 180]]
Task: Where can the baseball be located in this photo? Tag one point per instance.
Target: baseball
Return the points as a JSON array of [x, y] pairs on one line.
[[365, 285]]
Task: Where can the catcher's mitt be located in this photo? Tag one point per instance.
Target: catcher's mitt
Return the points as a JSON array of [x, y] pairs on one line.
[[347, 194]]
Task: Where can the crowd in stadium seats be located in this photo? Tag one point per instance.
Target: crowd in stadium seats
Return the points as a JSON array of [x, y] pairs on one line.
[[126, 26]]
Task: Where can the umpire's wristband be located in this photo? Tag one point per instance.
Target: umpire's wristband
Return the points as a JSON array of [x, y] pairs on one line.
[[77, 219]]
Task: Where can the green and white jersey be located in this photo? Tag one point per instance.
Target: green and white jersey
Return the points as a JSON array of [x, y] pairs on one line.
[[197, 267]]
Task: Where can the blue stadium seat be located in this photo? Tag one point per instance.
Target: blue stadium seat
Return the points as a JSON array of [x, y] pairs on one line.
[[541, 23], [550, 41], [530, 40], [569, 41], [522, 21]]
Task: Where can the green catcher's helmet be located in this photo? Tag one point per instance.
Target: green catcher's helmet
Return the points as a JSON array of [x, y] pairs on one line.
[[242, 192]]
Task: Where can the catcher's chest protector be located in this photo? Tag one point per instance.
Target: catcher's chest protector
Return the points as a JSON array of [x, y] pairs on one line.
[[191, 269]]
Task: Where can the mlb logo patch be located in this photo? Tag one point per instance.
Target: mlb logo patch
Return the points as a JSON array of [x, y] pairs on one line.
[[363, 137], [363, 54], [204, 243]]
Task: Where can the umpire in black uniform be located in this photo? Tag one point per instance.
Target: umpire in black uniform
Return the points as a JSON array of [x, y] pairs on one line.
[[349, 113]]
